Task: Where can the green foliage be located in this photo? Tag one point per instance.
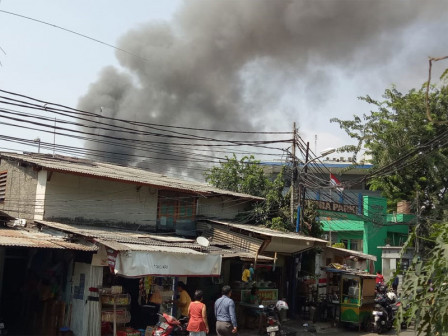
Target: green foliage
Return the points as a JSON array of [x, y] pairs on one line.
[[394, 134], [247, 176], [244, 176], [339, 245], [311, 225], [425, 287], [278, 223]]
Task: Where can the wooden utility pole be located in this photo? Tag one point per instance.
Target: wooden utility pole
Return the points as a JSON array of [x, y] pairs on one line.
[[294, 172]]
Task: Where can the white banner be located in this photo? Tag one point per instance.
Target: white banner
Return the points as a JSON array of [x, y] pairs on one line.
[[141, 263]]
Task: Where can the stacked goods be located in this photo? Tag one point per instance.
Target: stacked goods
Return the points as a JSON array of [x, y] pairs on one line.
[[122, 316], [118, 299]]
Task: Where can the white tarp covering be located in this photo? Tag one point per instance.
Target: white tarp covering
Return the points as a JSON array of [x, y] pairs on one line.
[[141, 263]]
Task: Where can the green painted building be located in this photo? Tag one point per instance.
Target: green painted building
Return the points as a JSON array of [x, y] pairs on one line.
[[366, 226]]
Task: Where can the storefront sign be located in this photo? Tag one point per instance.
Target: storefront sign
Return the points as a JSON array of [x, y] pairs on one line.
[[333, 206], [265, 295]]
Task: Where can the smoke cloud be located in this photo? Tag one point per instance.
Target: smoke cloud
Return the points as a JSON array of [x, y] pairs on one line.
[[228, 64]]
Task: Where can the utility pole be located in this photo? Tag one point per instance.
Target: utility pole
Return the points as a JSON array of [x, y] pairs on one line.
[[294, 171], [302, 190]]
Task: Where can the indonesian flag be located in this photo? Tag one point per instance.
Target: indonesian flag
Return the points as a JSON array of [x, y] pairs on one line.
[[335, 182]]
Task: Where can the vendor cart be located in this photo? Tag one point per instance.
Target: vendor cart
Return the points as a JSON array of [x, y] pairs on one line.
[[357, 296]]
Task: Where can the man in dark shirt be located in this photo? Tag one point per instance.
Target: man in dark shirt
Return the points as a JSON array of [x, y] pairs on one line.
[[226, 324]]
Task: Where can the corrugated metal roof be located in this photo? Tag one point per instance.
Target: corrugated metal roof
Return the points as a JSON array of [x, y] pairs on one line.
[[118, 173], [223, 236], [349, 272], [246, 256], [116, 235], [268, 232], [28, 238], [122, 240], [353, 253]]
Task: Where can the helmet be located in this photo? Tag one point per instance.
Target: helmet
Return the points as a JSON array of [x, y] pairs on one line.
[[391, 296], [382, 289]]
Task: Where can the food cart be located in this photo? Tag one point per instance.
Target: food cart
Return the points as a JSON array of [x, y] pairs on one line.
[[356, 294]]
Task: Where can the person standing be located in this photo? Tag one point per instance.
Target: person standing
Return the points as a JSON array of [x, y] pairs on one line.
[[197, 323], [246, 274], [379, 277], [226, 324], [184, 299], [252, 272], [395, 284]]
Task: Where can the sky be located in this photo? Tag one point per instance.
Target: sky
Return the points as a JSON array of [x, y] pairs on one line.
[[236, 65]]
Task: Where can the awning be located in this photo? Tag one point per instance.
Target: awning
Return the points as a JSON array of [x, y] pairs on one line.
[[135, 260], [278, 241], [142, 263], [136, 254]]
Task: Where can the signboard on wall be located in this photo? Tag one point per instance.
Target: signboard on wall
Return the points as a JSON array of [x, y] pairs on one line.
[[333, 206]]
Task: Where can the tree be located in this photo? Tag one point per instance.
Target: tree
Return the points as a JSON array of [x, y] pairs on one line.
[[425, 287], [409, 153], [311, 224], [410, 159], [247, 176]]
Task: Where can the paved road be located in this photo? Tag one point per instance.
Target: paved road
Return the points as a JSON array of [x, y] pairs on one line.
[[325, 329]]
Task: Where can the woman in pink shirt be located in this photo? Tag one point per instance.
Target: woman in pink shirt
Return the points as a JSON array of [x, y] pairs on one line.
[[197, 324]]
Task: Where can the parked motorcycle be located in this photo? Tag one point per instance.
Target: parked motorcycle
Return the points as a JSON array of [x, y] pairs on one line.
[[273, 325], [384, 311], [171, 326]]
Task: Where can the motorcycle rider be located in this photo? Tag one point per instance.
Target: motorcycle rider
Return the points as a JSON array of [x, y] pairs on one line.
[[386, 299]]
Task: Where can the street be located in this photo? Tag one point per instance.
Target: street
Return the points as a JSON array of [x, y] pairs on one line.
[[324, 329]]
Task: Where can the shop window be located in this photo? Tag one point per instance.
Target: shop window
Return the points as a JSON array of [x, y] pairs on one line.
[[3, 176], [177, 212], [356, 245], [350, 291]]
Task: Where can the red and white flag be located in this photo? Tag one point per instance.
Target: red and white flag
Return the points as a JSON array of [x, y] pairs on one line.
[[335, 182]]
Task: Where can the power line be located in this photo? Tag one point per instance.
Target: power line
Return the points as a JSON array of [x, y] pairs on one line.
[[76, 33], [46, 107]]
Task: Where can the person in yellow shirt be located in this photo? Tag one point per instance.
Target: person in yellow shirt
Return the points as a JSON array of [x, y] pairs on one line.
[[246, 274], [184, 299]]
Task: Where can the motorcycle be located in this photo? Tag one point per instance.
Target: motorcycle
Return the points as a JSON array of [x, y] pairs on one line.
[[171, 326], [273, 325], [384, 312]]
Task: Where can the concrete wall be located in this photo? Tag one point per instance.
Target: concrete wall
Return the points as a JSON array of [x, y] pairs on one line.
[[93, 199], [72, 196], [221, 207], [69, 196], [20, 195]]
